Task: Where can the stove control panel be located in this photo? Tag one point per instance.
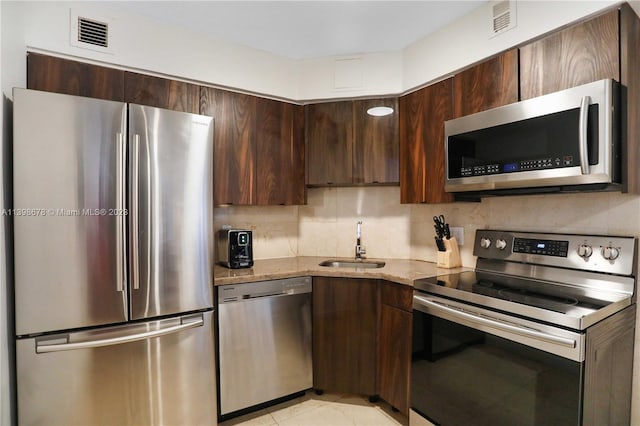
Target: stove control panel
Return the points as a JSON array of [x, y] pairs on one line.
[[598, 253], [542, 247]]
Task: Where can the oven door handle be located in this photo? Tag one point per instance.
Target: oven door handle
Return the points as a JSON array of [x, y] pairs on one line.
[[497, 324]]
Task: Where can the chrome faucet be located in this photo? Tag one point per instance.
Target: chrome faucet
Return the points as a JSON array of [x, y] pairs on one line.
[[360, 250]]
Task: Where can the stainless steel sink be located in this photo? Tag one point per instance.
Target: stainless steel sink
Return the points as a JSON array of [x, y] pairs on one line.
[[335, 263]]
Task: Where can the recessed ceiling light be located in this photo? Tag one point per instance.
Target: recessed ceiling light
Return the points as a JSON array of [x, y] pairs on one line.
[[380, 111]]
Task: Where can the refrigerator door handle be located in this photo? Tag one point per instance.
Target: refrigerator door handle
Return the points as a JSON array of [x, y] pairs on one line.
[[120, 254], [135, 213], [44, 346]]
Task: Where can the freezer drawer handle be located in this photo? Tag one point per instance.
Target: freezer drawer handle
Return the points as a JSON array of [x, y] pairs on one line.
[[43, 347]]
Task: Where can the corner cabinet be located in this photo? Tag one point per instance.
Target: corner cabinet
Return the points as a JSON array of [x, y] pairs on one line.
[[345, 335], [347, 147], [422, 157], [376, 147]]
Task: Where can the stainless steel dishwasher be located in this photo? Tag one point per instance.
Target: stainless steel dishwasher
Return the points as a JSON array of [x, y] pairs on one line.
[[264, 342]]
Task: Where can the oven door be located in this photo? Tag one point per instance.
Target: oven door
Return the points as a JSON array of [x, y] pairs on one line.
[[561, 139], [474, 366]]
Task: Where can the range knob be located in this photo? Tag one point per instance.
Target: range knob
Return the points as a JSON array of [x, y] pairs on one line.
[[610, 253], [585, 251], [501, 244], [485, 243]]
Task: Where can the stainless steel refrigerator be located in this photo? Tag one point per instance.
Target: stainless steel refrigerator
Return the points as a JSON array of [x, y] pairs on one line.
[[113, 260]]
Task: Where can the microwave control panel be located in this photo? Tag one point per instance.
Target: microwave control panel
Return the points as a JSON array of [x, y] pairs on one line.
[[518, 166]]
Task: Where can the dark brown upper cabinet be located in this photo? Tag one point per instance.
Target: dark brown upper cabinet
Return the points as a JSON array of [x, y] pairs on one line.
[[279, 153], [376, 145], [489, 84], [161, 92], [346, 146], [580, 54], [234, 145], [258, 149], [51, 74], [422, 157], [606, 46], [329, 134]]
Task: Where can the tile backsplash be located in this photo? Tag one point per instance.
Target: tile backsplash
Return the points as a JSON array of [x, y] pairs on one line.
[[326, 226]]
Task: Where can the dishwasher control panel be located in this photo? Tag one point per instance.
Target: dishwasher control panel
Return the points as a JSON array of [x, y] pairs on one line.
[[287, 286]]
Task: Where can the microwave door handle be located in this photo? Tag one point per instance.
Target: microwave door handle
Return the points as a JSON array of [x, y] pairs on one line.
[[582, 137]]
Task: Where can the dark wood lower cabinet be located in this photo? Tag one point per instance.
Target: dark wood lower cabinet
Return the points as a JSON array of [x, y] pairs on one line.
[[362, 338], [394, 344], [345, 335], [394, 357]]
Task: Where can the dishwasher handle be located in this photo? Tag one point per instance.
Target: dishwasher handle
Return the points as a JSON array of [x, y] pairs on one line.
[[264, 289]]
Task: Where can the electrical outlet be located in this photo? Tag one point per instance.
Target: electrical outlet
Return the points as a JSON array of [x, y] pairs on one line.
[[458, 233]]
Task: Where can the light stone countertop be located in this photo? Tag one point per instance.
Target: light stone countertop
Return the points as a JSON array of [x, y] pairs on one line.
[[396, 270]]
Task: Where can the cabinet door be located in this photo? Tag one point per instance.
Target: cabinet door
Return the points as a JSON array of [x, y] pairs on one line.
[[578, 55], [394, 357], [344, 335], [422, 159], [394, 349], [487, 85], [279, 153], [234, 144], [376, 145], [329, 128], [58, 75], [630, 79], [161, 92]]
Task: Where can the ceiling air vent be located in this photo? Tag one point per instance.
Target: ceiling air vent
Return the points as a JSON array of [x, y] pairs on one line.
[[503, 16], [93, 32], [90, 32]]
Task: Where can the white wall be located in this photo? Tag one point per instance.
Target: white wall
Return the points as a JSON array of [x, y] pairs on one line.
[[151, 47], [148, 46], [467, 41]]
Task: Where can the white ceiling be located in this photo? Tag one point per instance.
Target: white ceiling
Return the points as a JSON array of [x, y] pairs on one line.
[[307, 29]]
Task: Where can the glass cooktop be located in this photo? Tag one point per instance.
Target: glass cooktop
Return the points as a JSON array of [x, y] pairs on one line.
[[541, 300]]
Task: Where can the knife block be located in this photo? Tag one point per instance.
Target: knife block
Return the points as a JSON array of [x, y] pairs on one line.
[[450, 258]]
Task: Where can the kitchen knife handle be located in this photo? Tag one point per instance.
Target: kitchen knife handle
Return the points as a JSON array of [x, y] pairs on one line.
[[582, 138], [120, 191], [135, 212]]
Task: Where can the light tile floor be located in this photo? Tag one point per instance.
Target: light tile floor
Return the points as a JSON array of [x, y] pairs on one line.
[[323, 410]]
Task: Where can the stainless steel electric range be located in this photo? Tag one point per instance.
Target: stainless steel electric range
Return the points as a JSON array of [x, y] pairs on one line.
[[541, 332]]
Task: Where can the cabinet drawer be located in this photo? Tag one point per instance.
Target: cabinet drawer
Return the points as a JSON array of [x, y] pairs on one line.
[[397, 295]]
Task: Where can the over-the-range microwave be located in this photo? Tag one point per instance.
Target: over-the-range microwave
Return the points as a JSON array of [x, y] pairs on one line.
[[564, 141]]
